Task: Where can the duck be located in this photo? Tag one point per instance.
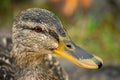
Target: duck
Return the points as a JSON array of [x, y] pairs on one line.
[[36, 33]]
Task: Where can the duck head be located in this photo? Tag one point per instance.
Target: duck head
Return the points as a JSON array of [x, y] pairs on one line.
[[39, 30]]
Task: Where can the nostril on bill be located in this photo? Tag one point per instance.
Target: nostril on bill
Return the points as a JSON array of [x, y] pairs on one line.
[[69, 46]]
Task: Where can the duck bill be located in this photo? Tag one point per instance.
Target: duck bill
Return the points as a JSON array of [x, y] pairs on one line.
[[78, 56]]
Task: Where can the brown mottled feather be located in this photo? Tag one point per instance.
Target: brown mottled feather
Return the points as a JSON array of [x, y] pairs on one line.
[[6, 66]]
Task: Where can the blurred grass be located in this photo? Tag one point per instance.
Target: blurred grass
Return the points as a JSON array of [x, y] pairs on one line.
[[6, 12]]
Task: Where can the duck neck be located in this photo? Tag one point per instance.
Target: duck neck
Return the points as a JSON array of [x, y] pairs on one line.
[[26, 57], [32, 67]]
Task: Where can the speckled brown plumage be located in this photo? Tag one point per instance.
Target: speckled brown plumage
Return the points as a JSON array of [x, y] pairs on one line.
[[6, 70], [6, 67]]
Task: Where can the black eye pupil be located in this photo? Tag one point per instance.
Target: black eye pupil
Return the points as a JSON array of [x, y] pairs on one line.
[[38, 29]]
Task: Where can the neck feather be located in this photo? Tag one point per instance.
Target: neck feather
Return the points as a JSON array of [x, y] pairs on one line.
[[24, 57]]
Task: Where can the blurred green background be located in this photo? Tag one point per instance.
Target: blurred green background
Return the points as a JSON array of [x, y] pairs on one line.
[[92, 24]]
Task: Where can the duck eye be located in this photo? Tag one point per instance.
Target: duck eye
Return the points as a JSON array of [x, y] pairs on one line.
[[37, 29]]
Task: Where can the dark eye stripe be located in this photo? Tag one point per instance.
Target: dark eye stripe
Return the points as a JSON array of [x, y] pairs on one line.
[[53, 34], [36, 29], [26, 27]]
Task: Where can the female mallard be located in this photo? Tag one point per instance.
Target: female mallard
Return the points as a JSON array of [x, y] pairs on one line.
[[37, 32]]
